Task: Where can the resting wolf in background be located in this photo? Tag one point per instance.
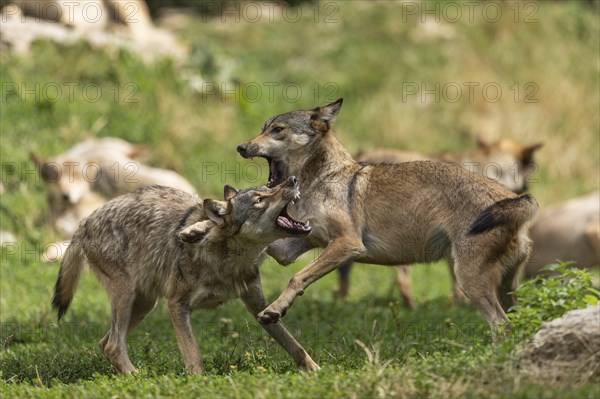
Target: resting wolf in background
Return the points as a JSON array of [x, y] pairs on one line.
[[392, 214], [506, 161], [132, 245], [568, 231], [81, 179]]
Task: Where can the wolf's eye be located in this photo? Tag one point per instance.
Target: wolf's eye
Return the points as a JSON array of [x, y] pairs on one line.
[[257, 200], [276, 129]]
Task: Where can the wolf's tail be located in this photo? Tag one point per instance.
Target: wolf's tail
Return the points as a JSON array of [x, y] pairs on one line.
[[510, 212], [68, 277]]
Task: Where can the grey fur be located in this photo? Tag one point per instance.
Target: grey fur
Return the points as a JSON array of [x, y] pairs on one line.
[[135, 245]]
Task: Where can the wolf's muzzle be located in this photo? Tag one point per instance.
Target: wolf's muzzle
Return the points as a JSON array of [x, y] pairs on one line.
[[243, 149]]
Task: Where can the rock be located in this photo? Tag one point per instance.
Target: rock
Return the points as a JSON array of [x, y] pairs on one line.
[[566, 351]]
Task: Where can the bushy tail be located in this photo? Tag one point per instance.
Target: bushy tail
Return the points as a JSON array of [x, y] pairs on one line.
[[68, 277], [510, 212]]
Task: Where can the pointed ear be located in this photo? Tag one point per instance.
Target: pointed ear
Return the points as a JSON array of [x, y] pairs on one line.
[[37, 160], [527, 152], [49, 171], [229, 192], [323, 118], [215, 210]]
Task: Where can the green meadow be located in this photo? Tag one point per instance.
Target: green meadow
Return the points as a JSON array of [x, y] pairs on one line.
[[529, 72]]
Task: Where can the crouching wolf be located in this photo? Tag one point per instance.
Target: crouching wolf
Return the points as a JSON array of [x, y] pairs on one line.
[[392, 214], [139, 247]]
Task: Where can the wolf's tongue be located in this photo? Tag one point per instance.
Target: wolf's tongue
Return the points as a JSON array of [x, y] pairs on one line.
[[285, 222]]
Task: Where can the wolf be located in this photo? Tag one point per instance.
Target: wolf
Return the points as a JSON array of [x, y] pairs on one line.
[[109, 166], [507, 161], [392, 214], [567, 231], [94, 170], [162, 242]]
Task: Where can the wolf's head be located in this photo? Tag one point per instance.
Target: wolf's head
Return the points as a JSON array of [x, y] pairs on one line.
[[507, 161], [68, 180], [287, 141], [256, 214]]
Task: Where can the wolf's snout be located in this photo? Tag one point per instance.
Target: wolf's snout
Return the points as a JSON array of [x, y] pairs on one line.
[[242, 149], [293, 181]]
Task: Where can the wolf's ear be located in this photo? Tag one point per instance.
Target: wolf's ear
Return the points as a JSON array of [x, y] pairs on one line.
[[37, 160], [215, 210], [527, 153], [323, 118], [49, 171], [229, 192]]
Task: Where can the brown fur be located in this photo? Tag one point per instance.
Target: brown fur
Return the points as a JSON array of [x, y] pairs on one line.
[[132, 245], [568, 231], [392, 214], [506, 161]]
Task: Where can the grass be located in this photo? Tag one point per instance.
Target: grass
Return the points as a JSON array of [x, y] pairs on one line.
[[368, 56]]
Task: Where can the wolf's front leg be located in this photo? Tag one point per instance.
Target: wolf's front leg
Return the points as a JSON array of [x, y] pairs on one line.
[[255, 301], [287, 250], [181, 317], [339, 251]]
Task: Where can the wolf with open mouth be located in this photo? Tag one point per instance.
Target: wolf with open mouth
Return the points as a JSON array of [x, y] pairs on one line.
[[163, 242], [392, 214]]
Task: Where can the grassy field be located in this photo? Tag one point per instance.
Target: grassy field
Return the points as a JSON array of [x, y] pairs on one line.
[[543, 57]]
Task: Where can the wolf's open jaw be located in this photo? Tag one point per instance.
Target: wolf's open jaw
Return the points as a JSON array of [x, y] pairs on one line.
[[287, 223], [276, 175]]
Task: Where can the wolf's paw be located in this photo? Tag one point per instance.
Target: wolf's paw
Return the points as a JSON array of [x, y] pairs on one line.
[[270, 316], [195, 232], [309, 366]]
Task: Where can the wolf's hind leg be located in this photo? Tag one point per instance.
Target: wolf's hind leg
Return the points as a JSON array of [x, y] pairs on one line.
[[404, 282], [513, 261], [458, 296], [122, 297], [479, 275], [182, 322], [141, 307]]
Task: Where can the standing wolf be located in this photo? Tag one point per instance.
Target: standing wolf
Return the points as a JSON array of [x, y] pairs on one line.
[[506, 161], [392, 214], [132, 245]]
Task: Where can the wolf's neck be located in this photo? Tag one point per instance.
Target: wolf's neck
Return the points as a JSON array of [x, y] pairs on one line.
[[242, 251], [328, 156]]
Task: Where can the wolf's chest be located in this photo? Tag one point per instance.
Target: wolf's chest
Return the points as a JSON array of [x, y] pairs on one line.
[[210, 296], [214, 289]]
